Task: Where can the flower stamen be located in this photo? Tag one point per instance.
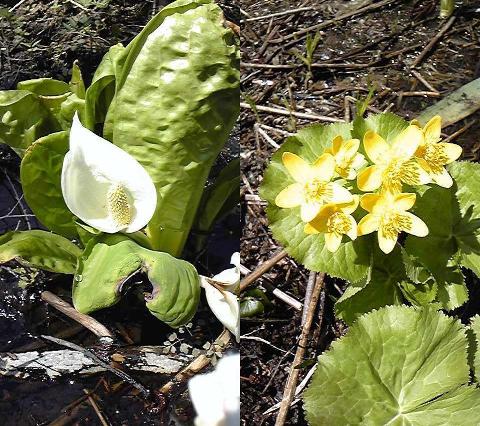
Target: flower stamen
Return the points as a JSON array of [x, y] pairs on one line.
[[118, 205], [318, 191], [399, 172], [339, 223], [394, 223], [436, 157]]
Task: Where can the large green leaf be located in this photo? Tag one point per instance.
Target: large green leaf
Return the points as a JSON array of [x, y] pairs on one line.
[[379, 289], [40, 174], [174, 110], [40, 249], [395, 366], [440, 210], [23, 119], [474, 350], [352, 260], [109, 261], [467, 193]]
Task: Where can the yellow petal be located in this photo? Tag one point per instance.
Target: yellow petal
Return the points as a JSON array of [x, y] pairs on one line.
[[337, 144], [375, 146], [407, 142], [333, 241], [319, 223], [298, 168], [386, 244], [404, 201], [432, 130], [340, 195], [309, 229], [324, 168], [368, 224], [452, 150], [442, 179], [349, 208], [415, 122], [350, 147], [291, 196], [368, 201], [353, 230], [418, 226], [370, 179], [308, 211]]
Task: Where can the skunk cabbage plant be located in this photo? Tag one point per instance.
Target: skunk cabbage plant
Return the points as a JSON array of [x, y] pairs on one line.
[[117, 170]]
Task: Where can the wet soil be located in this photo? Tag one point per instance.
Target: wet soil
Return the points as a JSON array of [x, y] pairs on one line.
[[42, 39], [391, 36]]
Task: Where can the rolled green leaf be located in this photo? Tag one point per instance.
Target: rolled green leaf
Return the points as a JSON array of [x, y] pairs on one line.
[[175, 109], [40, 174], [40, 249], [107, 263], [100, 93]]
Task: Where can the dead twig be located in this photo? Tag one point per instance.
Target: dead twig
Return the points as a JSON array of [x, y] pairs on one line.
[[277, 14], [264, 267], [177, 384], [292, 113], [87, 321], [433, 42], [312, 278], [422, 80], [95, 408], [289, 392], [316, 27]]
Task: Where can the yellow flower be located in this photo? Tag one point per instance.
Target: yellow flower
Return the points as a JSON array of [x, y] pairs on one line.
[[433, 155], [313, 187], [347, 159], [393, 165], [335, 220], [388, 215]]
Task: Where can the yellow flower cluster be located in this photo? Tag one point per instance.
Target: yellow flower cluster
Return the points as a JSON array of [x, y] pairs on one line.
[[415, 157]]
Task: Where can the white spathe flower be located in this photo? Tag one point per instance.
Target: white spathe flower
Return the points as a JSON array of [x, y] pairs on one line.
[[216, 395], [220, 292], [104, 186], [230, 278]]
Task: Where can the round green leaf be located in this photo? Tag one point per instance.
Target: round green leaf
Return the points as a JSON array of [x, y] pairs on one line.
[[40, 174], [395, 366]]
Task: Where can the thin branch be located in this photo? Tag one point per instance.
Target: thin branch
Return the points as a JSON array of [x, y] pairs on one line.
[[274, 15], [87, 321], [291, 384], [264, 267], [198, 364], [292, 113], [433, 42]]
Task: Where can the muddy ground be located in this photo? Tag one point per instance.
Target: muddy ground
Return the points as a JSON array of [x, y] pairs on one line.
[[375, 49], [42, 39]]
